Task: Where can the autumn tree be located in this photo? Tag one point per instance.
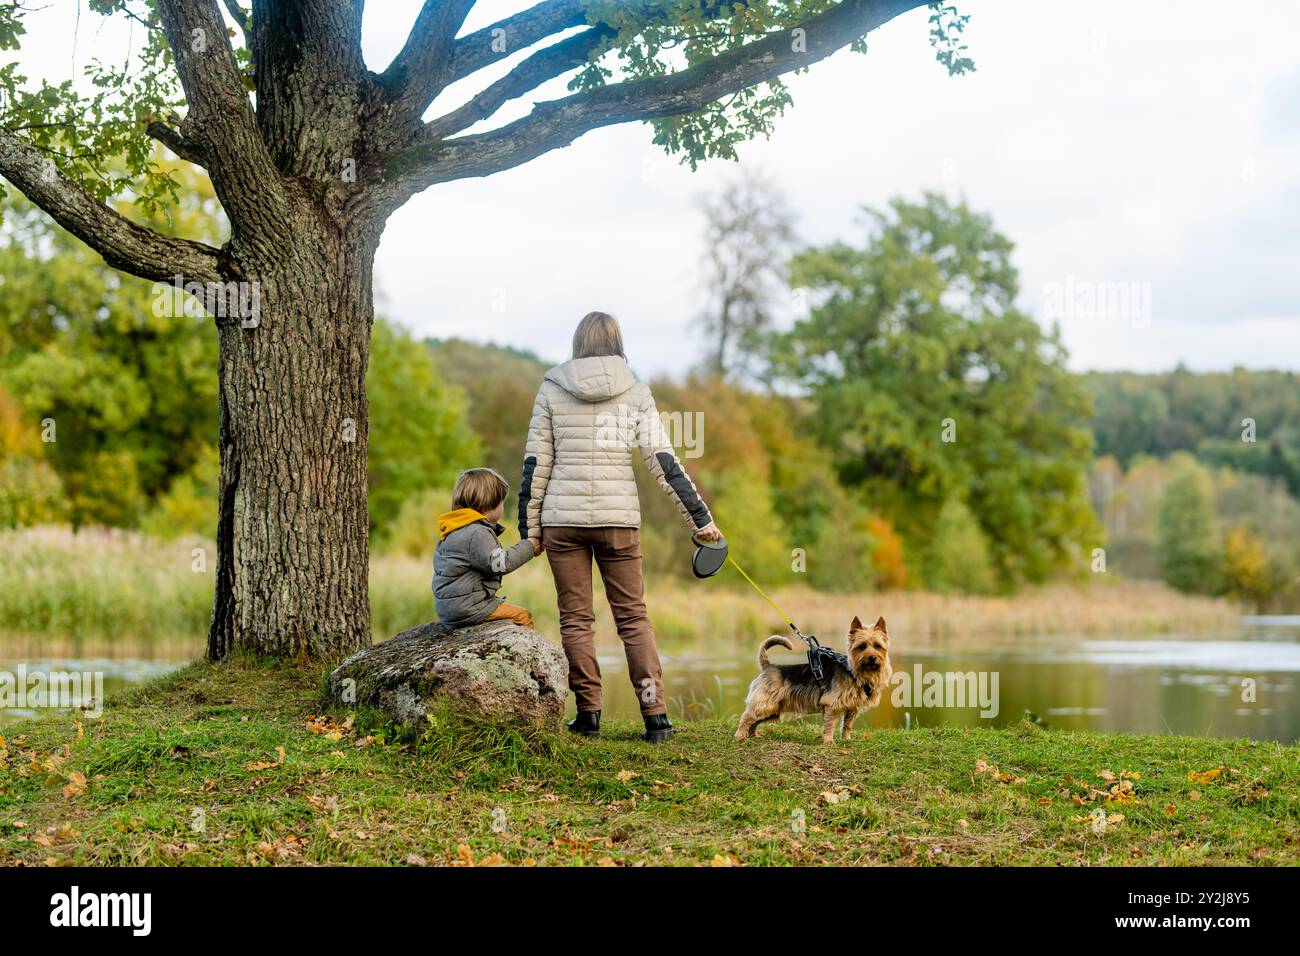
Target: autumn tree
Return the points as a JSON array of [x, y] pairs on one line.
[[310, 151]]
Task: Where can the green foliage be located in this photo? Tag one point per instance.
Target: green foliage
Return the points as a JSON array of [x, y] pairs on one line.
[[958, 558], [946, 28], [918, 329], [30, 493], [413, 532], [1159, 414], [130, 385], [499, 384], [189, 506], [30, 490], [419, 437], [1187, 539], [99, 138]]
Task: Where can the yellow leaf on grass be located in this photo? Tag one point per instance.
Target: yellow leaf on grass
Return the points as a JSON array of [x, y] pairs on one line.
[[265, 765], [76, 784], [1204, 776], [625, 775]]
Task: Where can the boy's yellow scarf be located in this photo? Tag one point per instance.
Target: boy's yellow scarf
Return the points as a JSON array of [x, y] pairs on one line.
[[449, 522]]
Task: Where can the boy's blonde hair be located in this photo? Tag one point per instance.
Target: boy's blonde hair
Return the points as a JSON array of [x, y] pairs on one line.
[[479, 488], [598, 334]]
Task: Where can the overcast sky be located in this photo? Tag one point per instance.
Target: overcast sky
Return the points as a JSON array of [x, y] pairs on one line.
[[1151, 149]]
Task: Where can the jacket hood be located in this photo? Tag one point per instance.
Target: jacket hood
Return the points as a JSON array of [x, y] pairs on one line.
[[454, 520], [593, 379]]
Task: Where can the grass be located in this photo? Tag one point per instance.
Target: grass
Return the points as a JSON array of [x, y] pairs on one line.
[[113, 585], [236, 764]]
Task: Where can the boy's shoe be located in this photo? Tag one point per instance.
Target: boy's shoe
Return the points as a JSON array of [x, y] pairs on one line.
[[587, 723], [657, 728]]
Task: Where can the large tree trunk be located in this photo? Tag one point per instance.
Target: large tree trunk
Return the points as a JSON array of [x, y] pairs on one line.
[[292, 540]]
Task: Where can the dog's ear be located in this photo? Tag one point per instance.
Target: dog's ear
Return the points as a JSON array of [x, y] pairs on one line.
[[856, 625], [880, 625]]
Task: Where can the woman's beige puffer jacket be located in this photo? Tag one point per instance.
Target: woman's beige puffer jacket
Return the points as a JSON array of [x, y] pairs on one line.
[[589, 414]]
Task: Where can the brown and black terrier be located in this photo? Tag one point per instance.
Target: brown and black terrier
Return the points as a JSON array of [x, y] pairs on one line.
[[792, 689]]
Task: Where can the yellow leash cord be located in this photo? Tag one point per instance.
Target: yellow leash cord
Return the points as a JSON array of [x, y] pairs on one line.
[[762, 594], [816, 653]]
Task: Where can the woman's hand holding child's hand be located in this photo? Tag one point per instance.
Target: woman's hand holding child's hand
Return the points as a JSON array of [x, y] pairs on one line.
[[537, 546]]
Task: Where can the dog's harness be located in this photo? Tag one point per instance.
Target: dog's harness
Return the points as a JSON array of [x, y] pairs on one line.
[[819, 658]]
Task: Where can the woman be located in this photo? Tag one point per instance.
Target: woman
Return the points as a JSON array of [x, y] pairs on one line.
[[578, 501]]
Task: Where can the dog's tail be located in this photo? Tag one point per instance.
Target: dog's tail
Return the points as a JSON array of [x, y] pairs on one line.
[[776, 640]]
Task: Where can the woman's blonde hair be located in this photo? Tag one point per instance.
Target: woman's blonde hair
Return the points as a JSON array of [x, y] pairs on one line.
[[479, 488], [598, 334]]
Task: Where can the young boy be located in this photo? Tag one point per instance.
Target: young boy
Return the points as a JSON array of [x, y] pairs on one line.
[[469, 561]]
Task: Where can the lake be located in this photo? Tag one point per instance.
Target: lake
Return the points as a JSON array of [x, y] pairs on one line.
[[1236, 685]]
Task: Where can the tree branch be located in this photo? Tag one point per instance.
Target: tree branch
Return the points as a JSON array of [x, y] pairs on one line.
[[518, 32], [178, 144], [123, 244], [242, 20], [220, 120], [546, 64], [419, 72], [557, 123]]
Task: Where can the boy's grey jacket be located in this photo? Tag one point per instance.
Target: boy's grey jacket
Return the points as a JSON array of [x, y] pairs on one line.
[[589, 415], [467, 568]]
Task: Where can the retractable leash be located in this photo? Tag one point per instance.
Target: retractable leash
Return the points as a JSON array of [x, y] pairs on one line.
[[709, 558]]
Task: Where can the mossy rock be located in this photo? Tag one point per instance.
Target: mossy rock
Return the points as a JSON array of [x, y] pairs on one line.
[[496, 670]]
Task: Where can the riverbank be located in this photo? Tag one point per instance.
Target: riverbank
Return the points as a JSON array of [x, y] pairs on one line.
[[236, 764], [109, 585]]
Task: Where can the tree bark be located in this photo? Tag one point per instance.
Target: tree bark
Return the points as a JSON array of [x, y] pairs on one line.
[[292, 540]]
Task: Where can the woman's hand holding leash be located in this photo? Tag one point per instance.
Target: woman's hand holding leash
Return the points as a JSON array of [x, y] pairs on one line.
[[709, 532]]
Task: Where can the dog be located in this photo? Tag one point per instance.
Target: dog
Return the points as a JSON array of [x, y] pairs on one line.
[[792, 689]]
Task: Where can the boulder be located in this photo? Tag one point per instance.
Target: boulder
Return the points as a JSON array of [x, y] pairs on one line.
[[497, 670]]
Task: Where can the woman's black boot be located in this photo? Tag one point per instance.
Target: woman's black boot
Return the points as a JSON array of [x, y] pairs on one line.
[[657, 728], [586, 723]]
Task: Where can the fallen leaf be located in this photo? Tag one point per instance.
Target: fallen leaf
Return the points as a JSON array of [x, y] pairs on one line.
[[264, 765], [76, 785]]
